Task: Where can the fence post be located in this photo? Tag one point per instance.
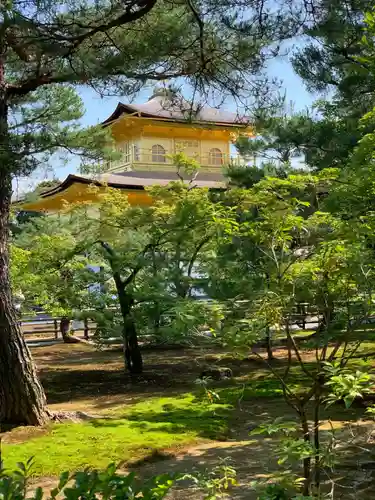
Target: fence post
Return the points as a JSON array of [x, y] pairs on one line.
[[56, 328], [304, 312], [86, 329]]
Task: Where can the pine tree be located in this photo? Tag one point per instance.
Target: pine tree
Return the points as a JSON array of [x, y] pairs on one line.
[[331, 63]]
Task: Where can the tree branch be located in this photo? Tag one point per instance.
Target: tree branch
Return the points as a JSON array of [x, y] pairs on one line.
[[195, 254], [68, 44], [128, 16], [111, 253], [49, 78], [200, 23]]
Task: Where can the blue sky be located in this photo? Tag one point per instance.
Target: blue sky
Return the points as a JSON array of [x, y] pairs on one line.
[[97, 109]]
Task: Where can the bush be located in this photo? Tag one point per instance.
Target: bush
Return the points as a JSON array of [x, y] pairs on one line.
[[87, 484], [109, 484]]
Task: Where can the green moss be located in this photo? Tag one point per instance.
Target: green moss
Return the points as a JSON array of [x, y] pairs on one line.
[[126, 434]]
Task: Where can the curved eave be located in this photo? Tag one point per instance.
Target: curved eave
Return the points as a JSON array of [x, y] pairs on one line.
[[71, 179], [75, 189], [78, 189], [127, 109], [120, 110], [82, 193]]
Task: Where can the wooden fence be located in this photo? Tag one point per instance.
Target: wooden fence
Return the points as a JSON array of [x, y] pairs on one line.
[[302, 316], [45, 325]]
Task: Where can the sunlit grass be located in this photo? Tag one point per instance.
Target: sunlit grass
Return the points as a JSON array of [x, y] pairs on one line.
[[126, 434]]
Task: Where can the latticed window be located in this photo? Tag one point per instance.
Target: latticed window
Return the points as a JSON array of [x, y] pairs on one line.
[[136, 154], [158, 154], [125, 149], [215, 157], [182, 145]]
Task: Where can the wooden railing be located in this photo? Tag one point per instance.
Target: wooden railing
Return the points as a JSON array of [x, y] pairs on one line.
[[51, 326], [146, 157]]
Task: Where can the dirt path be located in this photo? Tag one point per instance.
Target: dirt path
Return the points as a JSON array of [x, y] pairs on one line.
[[244, 456]]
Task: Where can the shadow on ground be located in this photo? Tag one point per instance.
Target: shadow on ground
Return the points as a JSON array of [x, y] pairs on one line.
[[256, 458], [76, 372]]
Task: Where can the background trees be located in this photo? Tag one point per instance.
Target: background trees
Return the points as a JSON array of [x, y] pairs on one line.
[[150, 264]]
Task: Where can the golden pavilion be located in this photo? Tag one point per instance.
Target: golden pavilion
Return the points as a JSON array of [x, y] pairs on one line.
[[147, 135]]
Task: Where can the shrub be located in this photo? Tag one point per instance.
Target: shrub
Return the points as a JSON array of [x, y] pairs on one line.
[[110, 484], [89, 484]]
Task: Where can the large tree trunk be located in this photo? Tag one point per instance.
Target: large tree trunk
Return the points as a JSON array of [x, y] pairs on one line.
[[132, 352], [22, 399], [133, 355], [270, 356], [65, 326]]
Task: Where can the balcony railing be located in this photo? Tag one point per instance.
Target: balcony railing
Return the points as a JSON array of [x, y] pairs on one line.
[[146, 158]]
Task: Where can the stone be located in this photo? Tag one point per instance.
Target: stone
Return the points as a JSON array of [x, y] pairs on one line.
[[216, 373]]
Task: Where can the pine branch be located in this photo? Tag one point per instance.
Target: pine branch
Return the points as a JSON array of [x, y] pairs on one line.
[[129, 16], [50, 78], [67, 45], [200, 23]]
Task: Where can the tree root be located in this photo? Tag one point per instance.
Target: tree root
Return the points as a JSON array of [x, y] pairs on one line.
[[71, 339], [71, 416]]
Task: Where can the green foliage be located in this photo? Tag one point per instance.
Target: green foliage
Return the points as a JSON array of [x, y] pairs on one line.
[[336, 61], [274, 492], [47, 122], [282, 137], [370, 411], [345, 384], [247, 176], [94, 484], [45, 275], [291, 248], [290, 448], [281, 487], [160, 250], [257, 251], [218, 481], [332, 63], [277, 426], [110, 484]]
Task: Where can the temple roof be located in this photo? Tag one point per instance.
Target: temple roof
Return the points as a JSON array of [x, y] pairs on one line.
[[162, 107], [136, 180]]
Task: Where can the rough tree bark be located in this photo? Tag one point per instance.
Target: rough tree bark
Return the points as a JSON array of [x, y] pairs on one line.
[[22, 399]]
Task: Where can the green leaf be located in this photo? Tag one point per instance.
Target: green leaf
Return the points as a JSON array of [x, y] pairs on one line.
[[64, 478], [38, 494]]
